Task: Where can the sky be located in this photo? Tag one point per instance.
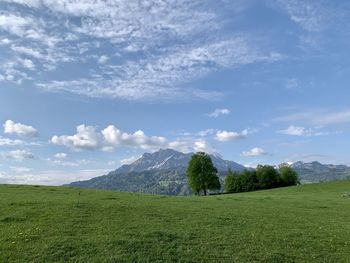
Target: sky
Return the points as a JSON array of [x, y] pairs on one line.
[[86, 86]]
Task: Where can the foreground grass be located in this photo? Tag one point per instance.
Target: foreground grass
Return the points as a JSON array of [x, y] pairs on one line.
[[309, 223]]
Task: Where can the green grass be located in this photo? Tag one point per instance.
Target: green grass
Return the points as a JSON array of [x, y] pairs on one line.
[[309, 223]]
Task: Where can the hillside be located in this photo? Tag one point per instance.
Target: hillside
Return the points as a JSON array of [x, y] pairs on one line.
[[308, 223], [164, 172], [161, 172], [169, 159], [314, 172]]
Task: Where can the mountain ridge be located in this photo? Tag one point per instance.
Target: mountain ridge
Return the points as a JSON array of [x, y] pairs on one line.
[[167, 159], [164, 172]]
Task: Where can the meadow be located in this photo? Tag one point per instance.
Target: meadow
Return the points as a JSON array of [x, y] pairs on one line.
[[307, 223]]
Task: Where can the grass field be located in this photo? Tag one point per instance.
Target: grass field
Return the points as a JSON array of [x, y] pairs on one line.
[[309, 223]]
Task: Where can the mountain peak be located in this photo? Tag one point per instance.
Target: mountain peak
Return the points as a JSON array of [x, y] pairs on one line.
[[169, 159]]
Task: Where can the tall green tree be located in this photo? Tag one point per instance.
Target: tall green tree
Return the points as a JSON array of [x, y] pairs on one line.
[[288, 175], [202, 174]]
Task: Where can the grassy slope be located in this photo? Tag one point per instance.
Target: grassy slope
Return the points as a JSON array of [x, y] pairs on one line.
[[309, 223]]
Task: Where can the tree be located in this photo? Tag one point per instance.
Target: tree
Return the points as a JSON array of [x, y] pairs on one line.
[[202, 174], [288, 175], [249, 181], [245, 181], [231, 182], [267, 177]]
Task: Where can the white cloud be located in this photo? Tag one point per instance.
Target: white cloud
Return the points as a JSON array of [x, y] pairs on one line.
[[108, 139], [187, 145], [50, 177], [103, 59], [182, 145], [309, 15], [16, 25], [20, 129], [255, 152], [203, 146], [111, 138], [85, 138], [7, 141], [296, 131], [301, 131], [61, 155], [12, 71], [160, 76], [224, 136], [168, 35], [217, 112], [333, 118], [114, 137], [5, 41], [205, 132], [72, 163], [28, 51], [18, 155], [27, 63], [29, 3]]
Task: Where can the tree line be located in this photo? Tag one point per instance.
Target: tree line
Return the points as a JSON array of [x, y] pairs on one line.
[[203, 176], [263, 177]]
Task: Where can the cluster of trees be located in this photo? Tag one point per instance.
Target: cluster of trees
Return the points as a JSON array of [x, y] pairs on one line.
[[263, 177], [203, 176]]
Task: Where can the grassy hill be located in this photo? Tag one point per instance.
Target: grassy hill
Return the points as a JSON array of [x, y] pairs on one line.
[[309, 223]]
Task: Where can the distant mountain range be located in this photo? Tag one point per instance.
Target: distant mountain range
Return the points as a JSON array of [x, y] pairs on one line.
[[314, 172], [164, 172]]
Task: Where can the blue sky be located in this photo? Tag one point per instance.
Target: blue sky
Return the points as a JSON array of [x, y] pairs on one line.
[[86, 86]]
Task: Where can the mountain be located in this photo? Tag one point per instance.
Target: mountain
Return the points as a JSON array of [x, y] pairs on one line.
[[161, 172], [168, 159], [164, 172], [314, 172]]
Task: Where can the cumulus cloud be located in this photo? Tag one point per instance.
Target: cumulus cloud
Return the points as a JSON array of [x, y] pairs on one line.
[[114, 137], [18, 155], [111, 138], [85, 138], [224, 136], [190, 144], [217, 112], [20, 129], [255, 152], [108, 139]]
